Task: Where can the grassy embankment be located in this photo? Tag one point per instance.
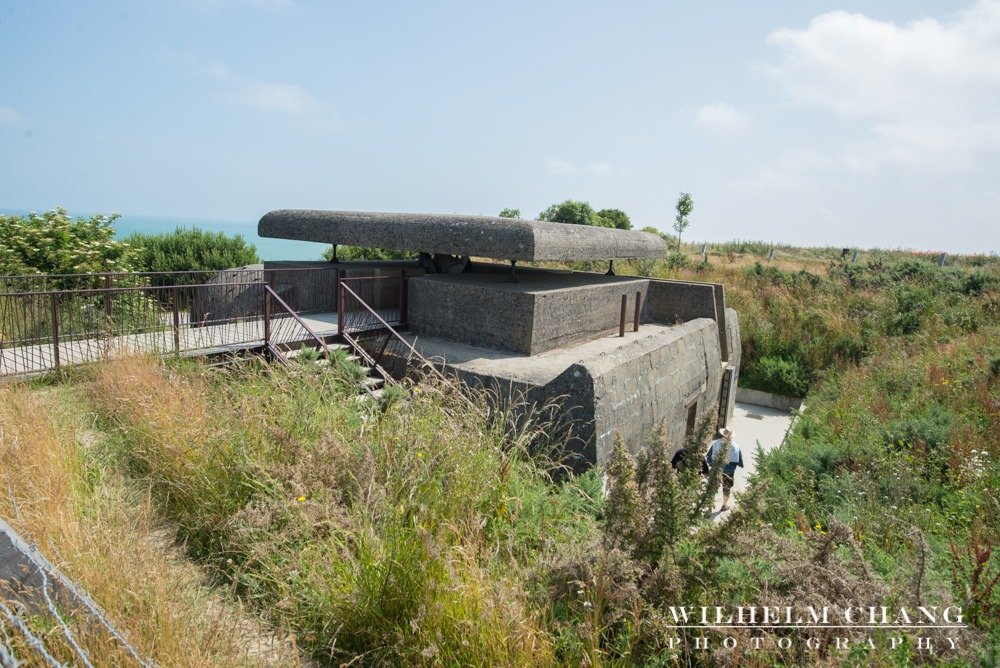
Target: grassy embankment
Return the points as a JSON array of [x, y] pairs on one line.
[[423, 532]]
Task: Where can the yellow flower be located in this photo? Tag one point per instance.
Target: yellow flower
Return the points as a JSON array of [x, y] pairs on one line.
[[420, 455], [301, 499]]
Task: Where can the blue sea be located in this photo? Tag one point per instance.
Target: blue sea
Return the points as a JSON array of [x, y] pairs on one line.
[[267, 249]]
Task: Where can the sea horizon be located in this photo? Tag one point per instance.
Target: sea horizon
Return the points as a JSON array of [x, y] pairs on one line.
[[267, 249]]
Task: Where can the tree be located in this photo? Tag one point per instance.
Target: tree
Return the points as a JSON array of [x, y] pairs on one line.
[[615, 218], [685, 205], [570, 211], [510, 213]]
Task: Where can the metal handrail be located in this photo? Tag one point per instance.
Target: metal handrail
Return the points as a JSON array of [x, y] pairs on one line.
[[129, 288], [391, 331], [271, 294]]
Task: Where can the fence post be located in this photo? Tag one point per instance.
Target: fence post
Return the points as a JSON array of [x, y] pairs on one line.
[[55, 327], [621, 322], [175, 298], [267, 322], [107, 297], [340, 308], [402, 299], [638, 308]]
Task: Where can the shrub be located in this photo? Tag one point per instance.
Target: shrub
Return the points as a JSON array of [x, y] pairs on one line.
[[677, 260], [778, 375], [356, 253], [191, 250], [53, 243]]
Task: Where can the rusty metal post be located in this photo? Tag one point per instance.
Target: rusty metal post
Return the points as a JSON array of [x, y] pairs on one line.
[[638, 309], [107, 297], [340, 308], [55, 327], [267, 322], [175, 298], [195, 306], [402, 299], [621, 322]]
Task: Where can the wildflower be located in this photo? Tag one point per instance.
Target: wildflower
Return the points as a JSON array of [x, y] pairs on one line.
[[301, 499], [420, 455]]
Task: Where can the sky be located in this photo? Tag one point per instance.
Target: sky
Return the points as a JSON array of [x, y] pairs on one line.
[[806, 122]]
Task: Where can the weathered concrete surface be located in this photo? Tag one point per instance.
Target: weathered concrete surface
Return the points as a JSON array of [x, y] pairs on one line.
[[542, 311], [461, 235], [767, 400], [607, 386], [734, 345], [678, 301]]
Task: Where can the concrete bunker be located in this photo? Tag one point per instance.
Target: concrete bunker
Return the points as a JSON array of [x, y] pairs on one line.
[[543, 333]]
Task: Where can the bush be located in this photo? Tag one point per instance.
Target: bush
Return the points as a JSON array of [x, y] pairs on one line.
[[677, 260], [191, 250], [355, 253], [778, 375], [53, 243]]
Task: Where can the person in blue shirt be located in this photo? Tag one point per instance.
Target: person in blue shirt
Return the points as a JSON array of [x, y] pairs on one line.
[[723, 445]]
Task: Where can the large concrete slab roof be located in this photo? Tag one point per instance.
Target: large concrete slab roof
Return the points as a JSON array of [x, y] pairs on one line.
[[455, 234]]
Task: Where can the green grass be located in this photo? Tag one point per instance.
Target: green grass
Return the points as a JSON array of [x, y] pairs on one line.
[[422, 530]]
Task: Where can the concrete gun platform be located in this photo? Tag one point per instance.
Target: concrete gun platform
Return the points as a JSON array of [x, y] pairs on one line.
[[609, 385], [461, 235]]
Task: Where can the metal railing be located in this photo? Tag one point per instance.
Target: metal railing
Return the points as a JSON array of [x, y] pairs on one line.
[[51, 321], [40, 331], [80, 318], [285, 330], [369, 331]]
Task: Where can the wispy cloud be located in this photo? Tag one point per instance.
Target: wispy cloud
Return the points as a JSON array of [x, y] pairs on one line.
[[562, 167], [599, 168], [215, 5], [286, 98], [721, 119], [791, 168], [269, 96], [8, 114], [928, 90]]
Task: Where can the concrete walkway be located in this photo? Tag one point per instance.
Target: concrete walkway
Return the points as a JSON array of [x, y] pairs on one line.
[[752, 425]]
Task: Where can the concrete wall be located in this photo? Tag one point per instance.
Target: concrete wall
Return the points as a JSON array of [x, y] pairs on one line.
[[471, 313], [676, 301], [768, 400], [734, 345], [566, 316], [627, 392], [656, 380], [541, 312]]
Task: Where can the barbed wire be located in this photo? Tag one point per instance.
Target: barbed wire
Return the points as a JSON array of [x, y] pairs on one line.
[[33, 641]]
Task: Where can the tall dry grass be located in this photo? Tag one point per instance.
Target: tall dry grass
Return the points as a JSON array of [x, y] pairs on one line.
[[377, 534], [105, 535]]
